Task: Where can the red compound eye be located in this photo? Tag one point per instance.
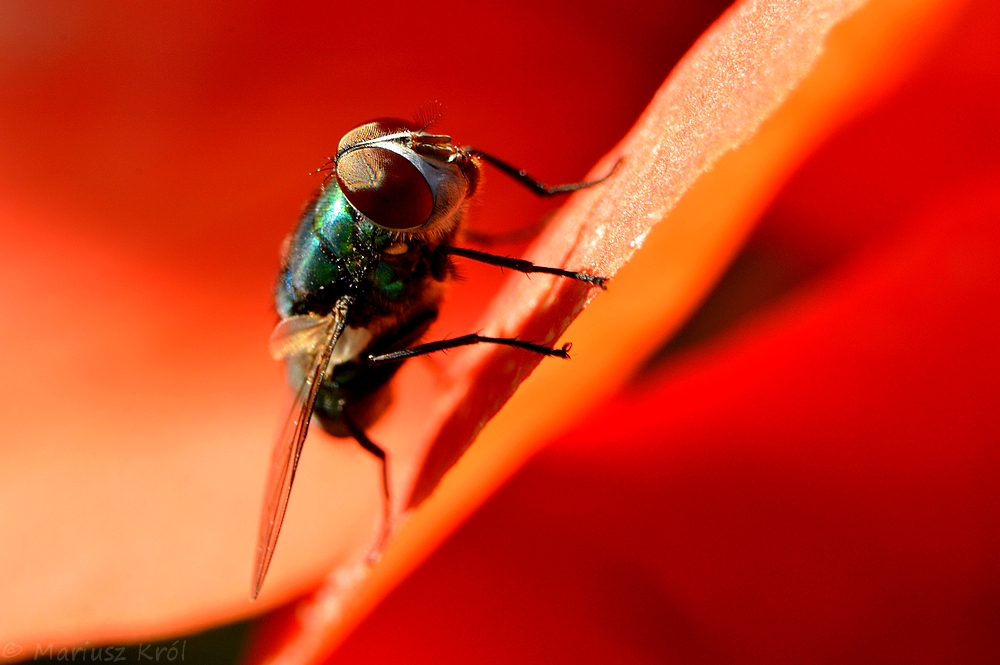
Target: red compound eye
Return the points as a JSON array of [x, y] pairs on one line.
[[373, 130], [385, 187]]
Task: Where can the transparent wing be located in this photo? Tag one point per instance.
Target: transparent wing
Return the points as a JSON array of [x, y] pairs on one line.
[[297, 334], [288, 447]]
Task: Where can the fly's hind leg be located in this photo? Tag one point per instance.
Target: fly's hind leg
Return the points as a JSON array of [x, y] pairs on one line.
[[359, 435], [467, 340]]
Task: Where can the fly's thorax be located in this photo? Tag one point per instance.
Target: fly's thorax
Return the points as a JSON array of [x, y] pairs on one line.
[[335, 252], [405, 179], [330, 251], [344, 233], [391, 294]]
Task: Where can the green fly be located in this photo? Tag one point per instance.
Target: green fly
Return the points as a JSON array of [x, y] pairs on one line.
[[361, 281]]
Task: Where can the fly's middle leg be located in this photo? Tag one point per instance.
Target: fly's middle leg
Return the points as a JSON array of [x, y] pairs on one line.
[[468, 340], [522, 265]]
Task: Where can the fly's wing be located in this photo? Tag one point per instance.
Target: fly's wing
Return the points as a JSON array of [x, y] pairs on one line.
[[288, 447], [303, 333]]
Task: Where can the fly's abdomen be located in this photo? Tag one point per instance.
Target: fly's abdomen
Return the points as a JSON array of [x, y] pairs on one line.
[[364, 386]]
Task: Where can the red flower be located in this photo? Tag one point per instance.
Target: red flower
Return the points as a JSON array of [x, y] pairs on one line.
[[822, 471]]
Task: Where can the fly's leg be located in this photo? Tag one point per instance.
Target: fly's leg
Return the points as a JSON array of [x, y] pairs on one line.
[[369, 445], [467, 340], [536, 186], [521, 265]]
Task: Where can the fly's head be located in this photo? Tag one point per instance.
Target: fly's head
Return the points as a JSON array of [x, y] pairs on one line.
[[404, 179]]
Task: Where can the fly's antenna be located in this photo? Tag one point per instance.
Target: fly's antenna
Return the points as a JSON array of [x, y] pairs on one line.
[[428, 114]]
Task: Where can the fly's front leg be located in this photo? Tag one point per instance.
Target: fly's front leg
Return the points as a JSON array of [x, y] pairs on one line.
[[521, 265], [522, 177], [535, 185]]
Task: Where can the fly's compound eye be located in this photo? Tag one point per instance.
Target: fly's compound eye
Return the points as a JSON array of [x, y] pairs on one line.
[[380, 129], [385, 187]]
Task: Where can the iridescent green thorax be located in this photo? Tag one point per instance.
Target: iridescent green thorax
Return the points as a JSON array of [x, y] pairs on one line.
[[335, 249], [343, 234]]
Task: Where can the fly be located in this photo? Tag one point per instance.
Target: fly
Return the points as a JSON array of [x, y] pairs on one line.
[[361, 281]]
